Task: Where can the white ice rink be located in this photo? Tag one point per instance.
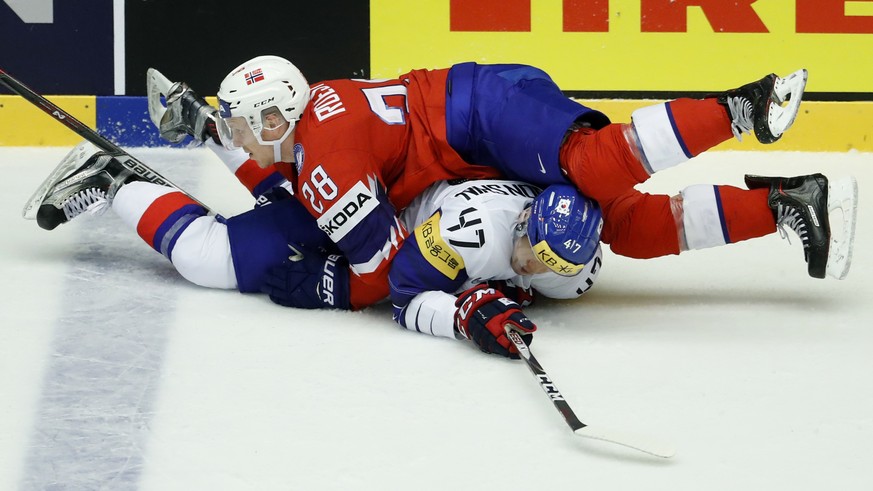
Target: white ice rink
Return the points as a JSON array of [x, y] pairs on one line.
[[117, 374]]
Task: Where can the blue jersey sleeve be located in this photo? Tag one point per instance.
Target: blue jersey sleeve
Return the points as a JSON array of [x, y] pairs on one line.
[[424, 263]]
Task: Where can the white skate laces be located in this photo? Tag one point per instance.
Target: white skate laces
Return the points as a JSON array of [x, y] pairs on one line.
[[788, 216], [90, 200], [742, 110]]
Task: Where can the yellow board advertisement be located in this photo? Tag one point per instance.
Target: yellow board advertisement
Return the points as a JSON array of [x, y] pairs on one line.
[[23, 124], [634, 48], [647, 45]]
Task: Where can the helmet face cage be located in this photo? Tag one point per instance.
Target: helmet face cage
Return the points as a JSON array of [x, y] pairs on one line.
[[564, 229], [265, 93]]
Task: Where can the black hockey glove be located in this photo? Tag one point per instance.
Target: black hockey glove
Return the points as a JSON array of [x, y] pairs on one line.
[[481, 316], [315, 281]]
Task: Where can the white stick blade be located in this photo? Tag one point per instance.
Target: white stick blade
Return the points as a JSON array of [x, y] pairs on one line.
[[637, 442]]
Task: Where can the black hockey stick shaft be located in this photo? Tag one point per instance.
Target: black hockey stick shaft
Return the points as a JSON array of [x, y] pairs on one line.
[[545, 382], [86, 132]]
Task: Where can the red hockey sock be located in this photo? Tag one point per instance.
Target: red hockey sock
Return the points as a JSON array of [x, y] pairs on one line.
[[702, 124], [746, 213], [166, 217]]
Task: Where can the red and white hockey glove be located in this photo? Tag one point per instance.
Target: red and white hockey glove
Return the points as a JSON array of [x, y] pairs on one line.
[[481, 316], [519, 295]]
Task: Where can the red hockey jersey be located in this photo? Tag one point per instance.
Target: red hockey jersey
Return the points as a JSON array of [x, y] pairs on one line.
[[363, 150]]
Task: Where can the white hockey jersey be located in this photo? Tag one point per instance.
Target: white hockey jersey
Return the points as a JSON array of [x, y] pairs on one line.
[[464, 235]]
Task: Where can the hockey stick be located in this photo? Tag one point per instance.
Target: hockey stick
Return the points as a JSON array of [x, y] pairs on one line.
[[579, 428], [81, 129]]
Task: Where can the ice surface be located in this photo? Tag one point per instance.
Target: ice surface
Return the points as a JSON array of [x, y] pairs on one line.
[[117, 374]]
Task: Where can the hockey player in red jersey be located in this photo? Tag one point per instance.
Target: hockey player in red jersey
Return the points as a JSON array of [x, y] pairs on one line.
[[357, 151]]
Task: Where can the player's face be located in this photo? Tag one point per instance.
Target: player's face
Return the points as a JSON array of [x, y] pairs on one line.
[[274, 128], [524, 261], [259, 139]]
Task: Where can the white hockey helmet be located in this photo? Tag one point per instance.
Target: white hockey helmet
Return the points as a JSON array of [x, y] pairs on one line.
[[257, 98]]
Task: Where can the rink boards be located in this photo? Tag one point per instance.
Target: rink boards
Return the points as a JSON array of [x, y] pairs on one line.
[[821, 126]]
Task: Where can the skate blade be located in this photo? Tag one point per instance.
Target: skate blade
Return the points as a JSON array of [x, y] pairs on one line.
[[842, 195], [789, 88], [69, 164]]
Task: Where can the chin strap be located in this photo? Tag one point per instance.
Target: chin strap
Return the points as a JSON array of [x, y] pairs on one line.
[[277, 151], [277, 145]]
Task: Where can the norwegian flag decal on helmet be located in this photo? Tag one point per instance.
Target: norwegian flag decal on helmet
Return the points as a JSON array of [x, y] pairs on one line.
[[254, 76]]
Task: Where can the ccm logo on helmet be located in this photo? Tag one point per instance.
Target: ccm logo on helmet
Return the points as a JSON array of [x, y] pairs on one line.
[[350, 210], [259, 104]]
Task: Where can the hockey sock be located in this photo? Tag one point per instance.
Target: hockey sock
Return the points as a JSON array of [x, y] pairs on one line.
[[719, 215], [701, 124], [746, 213], [675, 131], [159, 214]]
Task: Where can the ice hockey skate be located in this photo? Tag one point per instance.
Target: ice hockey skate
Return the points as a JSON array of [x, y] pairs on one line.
[[86, 180], [804, 204], [185, 112], [758, 105]]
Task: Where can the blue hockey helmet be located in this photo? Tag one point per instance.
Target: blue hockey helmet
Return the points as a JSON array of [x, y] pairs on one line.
[[564, 228]]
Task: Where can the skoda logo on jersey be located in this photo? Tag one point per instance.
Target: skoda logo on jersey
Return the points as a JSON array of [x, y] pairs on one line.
[[348, 212], [298, 157]]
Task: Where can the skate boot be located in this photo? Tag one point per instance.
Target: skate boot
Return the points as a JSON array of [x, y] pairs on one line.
[[185, 113], [86, 180], [803, 204], [758, 105]]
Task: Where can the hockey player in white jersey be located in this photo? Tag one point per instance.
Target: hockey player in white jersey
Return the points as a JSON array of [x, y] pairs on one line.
[[469, 234]]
